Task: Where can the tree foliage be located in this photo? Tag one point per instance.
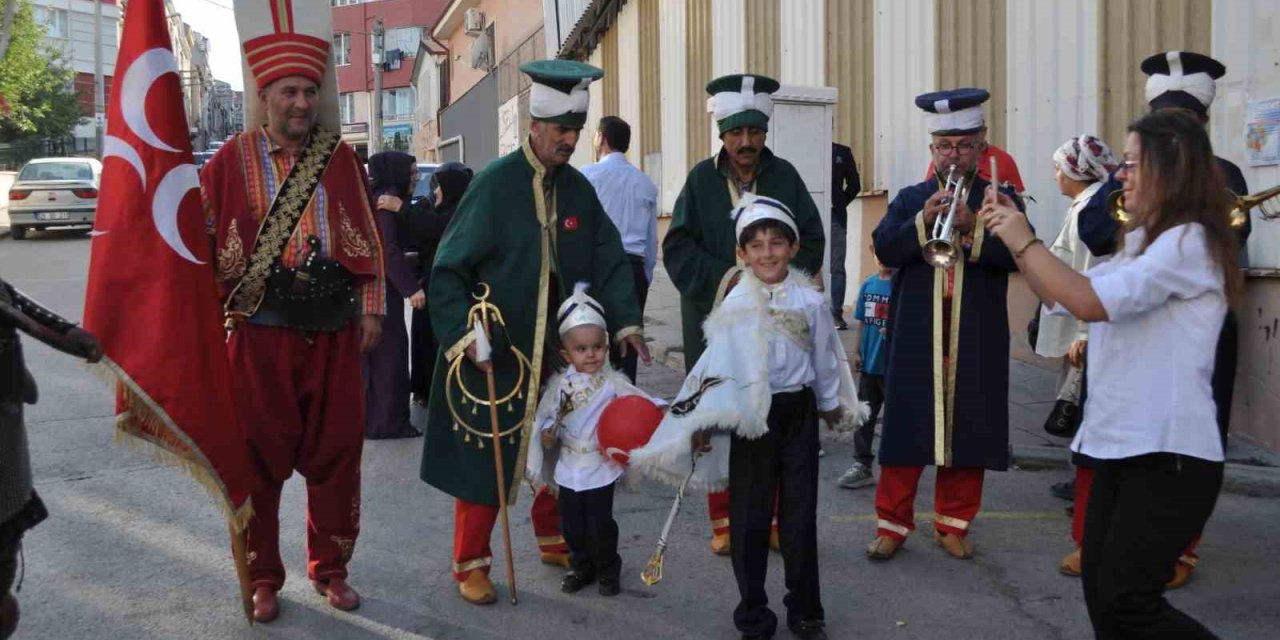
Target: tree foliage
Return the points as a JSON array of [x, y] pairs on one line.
[[36, 83]]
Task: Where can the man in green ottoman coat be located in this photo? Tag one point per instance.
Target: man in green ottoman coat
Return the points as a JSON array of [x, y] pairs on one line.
[[529, 227]]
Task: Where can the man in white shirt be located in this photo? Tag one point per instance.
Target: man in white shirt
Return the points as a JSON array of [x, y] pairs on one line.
[[631, 201]]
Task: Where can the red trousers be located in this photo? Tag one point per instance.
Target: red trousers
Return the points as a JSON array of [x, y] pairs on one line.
[[1084, 482], [957, 498], [473, 527], [301, 403], [718, 510]]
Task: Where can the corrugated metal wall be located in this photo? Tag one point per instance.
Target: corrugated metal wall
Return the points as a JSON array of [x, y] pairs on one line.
[[1128, 32], [1052, 94], [627, 29], [802, 39], [609, 58], [763, 52], [971, 52], [1244, 39], [904, 68], [850, 67], [697, 73], [673, 56], [650, 71]]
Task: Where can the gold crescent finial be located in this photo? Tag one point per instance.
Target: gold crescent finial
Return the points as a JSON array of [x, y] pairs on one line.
[[484, 295]]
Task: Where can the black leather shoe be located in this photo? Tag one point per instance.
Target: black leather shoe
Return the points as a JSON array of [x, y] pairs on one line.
[[810, 630], [610, 588], [1065, 490], [841, 325], [574, 582], [752, 636]]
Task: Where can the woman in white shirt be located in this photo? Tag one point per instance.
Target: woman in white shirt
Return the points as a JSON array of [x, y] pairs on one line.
[[1156, 309]]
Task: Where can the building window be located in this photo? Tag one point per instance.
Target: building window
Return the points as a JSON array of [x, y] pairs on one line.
[[343, 3], [341, 49], [55, 21], [397, 103], [347, 107], [405, 39]]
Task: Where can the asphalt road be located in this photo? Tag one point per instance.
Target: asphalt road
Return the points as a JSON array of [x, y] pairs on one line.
[[137, 550]]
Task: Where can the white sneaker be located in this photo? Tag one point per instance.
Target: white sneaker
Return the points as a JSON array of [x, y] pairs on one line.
[[858, 476]]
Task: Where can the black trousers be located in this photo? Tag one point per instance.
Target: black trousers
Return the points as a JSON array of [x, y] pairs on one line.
[[785, 461], [871, 389], [628, 364], [1143, 511], [586, 521]]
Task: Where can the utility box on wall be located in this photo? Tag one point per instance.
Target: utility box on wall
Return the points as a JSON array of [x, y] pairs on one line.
[[800, 132]]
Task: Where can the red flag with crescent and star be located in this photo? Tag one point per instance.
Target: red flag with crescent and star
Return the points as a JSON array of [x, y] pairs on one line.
[[151, 298]]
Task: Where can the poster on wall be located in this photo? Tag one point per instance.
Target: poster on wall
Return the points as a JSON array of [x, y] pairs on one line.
[[396, 137], [1262, 132], [509, 126]]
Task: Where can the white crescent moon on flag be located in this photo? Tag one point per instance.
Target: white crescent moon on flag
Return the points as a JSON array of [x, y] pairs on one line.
[[113, 146], [142, 74], [164, 206]]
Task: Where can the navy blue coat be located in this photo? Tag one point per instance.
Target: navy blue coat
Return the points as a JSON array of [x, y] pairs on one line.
[[917, 428], [1099, 230]]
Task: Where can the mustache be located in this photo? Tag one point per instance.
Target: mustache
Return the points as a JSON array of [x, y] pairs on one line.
[[746, 149], [564, 148]]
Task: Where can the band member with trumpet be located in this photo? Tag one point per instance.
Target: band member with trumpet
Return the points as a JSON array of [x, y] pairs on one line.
[[1180, 80], [948, 373], [531, 226]]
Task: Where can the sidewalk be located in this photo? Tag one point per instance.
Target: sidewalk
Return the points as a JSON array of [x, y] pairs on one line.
[[1032, 391]]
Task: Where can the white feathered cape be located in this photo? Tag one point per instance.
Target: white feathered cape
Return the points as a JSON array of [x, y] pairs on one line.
[[728, 388]]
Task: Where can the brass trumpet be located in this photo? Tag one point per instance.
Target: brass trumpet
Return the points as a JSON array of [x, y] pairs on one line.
[[1268, 201], [941, 250]]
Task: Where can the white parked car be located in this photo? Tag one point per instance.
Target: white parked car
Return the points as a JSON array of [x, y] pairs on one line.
[[54, 192]]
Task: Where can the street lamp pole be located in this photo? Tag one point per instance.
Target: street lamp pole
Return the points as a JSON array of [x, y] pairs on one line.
[[375, 118]]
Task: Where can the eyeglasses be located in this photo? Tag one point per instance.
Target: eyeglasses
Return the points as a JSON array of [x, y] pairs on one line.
[[1128, 166], [964, 148]]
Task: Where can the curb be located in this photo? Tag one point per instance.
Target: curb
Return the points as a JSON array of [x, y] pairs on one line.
[[1244, 479]]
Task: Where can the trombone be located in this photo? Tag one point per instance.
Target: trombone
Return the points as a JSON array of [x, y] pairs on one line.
[[1267, 202], [941, 249]]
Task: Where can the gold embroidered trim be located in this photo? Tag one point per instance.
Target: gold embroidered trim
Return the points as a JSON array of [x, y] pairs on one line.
[[546, 541], [231, 262], [581, 395], [471, 565], [893, 526], [460, 347], [346, 545], [353, 242], [547, 219], [795, 325], [627, 332], [979, 232], [939, 395], [957, 298], [281, 221], [719, 523], [955, 523], [723, 289]]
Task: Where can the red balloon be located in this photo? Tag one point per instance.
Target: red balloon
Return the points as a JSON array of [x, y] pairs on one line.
[[627, 424]]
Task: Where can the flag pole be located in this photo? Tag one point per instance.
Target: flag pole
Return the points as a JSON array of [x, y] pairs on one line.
[[239, 553]]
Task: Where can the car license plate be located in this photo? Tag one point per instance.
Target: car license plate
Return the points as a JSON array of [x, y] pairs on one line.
[[52, 215]]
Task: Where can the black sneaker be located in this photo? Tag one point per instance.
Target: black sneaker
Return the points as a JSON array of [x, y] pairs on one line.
[[810, 630], [574, 582], [841, 325], [609, 588]]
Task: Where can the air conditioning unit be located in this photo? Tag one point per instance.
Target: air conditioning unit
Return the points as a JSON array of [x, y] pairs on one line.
[[482, 53], [474, 19]]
